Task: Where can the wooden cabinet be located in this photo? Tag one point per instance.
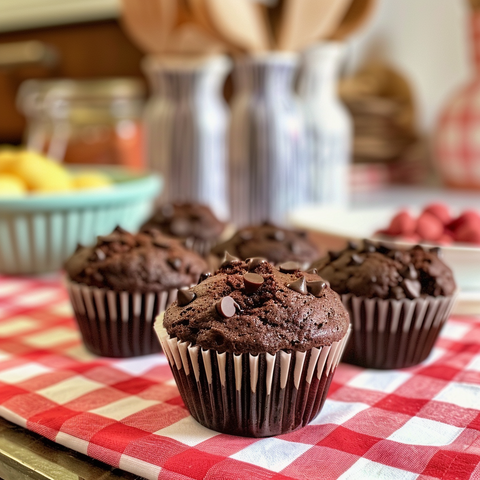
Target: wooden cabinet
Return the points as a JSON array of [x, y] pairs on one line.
[[88, 50]]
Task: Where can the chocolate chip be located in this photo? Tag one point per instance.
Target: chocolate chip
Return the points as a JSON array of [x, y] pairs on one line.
[[119, 229], [333, 255], [314, 271], [204, 276], [226, 307], [108, 238], [289, 267], [277, 235], [368, 246], [79, 247], [436, 251], [100, 254], [299, 285], [409, 272], [357, 259], [161, 243], [175, 263], [180, 227], [302, 233], [352, 245], [252, 282], [254, 262], [295, 248], [397, 293], [245, 235], [184, 297], [229, 260], [412, 288], [383, 249], [396, 255], [317, 287]]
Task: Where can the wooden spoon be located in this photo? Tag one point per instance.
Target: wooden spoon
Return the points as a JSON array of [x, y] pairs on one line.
[[355, 17], [191, 39], [303, 21], [239, 22], [149, 22]]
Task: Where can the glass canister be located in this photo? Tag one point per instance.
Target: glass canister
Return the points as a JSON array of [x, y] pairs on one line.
[[85, 121], [268, 174]]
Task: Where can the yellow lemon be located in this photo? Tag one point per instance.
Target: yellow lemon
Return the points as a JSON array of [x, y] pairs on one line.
[[11, 186], [41, 174], [8, 155], [91, 180]]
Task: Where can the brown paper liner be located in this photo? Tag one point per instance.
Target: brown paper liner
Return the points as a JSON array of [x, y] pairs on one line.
[[118, 324], [389, 334], [251, 395]]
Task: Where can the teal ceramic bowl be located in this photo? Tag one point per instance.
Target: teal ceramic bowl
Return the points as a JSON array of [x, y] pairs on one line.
[[40, 231]]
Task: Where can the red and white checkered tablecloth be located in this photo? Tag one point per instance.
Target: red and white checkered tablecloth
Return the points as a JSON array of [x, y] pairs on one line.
[[422, 422]]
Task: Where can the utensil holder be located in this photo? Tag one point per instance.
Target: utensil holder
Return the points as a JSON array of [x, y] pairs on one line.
[[186, 128], [328, 124], [268, 177]]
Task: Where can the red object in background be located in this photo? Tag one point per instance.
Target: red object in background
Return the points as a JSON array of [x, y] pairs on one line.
[[435, 225], [457, 136], [403, 223], [439, 210], [429, 227]]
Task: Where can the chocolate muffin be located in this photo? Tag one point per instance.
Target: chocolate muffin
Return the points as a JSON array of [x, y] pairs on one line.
[[262, 347], [398, 300], [276, 244], [194, 223], [119, 285]]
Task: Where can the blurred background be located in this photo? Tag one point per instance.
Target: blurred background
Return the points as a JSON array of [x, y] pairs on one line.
[[427, 43]]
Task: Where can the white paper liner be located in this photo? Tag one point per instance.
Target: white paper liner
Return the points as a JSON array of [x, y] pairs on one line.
[[118, 324], [200, 246], [251, 395], [389, 334]]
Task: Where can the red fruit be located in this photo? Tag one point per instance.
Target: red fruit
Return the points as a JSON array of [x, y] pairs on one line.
[[429, 227], [467, 217], [439, 210], [468, 233], [403, 223]]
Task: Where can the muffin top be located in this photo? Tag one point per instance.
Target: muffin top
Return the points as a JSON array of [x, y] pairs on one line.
[[141, 263], [183, 220], [254, 307], [275, 244], [376, 270]]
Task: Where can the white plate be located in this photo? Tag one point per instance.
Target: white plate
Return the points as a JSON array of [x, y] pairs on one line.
[[332, 227]]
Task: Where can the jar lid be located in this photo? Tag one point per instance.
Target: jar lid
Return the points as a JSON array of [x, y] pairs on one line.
[[33, 92]]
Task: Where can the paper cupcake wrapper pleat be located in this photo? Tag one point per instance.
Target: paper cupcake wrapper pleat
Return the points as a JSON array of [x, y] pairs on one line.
[[251, 395], [200, 246], [118, 324], [388, 334]]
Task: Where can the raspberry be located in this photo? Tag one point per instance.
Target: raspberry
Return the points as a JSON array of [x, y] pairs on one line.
[[439, 210], [429, 227], [403, 223], [468, 233]]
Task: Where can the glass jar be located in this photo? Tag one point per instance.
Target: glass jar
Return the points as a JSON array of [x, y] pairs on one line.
[[85, 121]]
